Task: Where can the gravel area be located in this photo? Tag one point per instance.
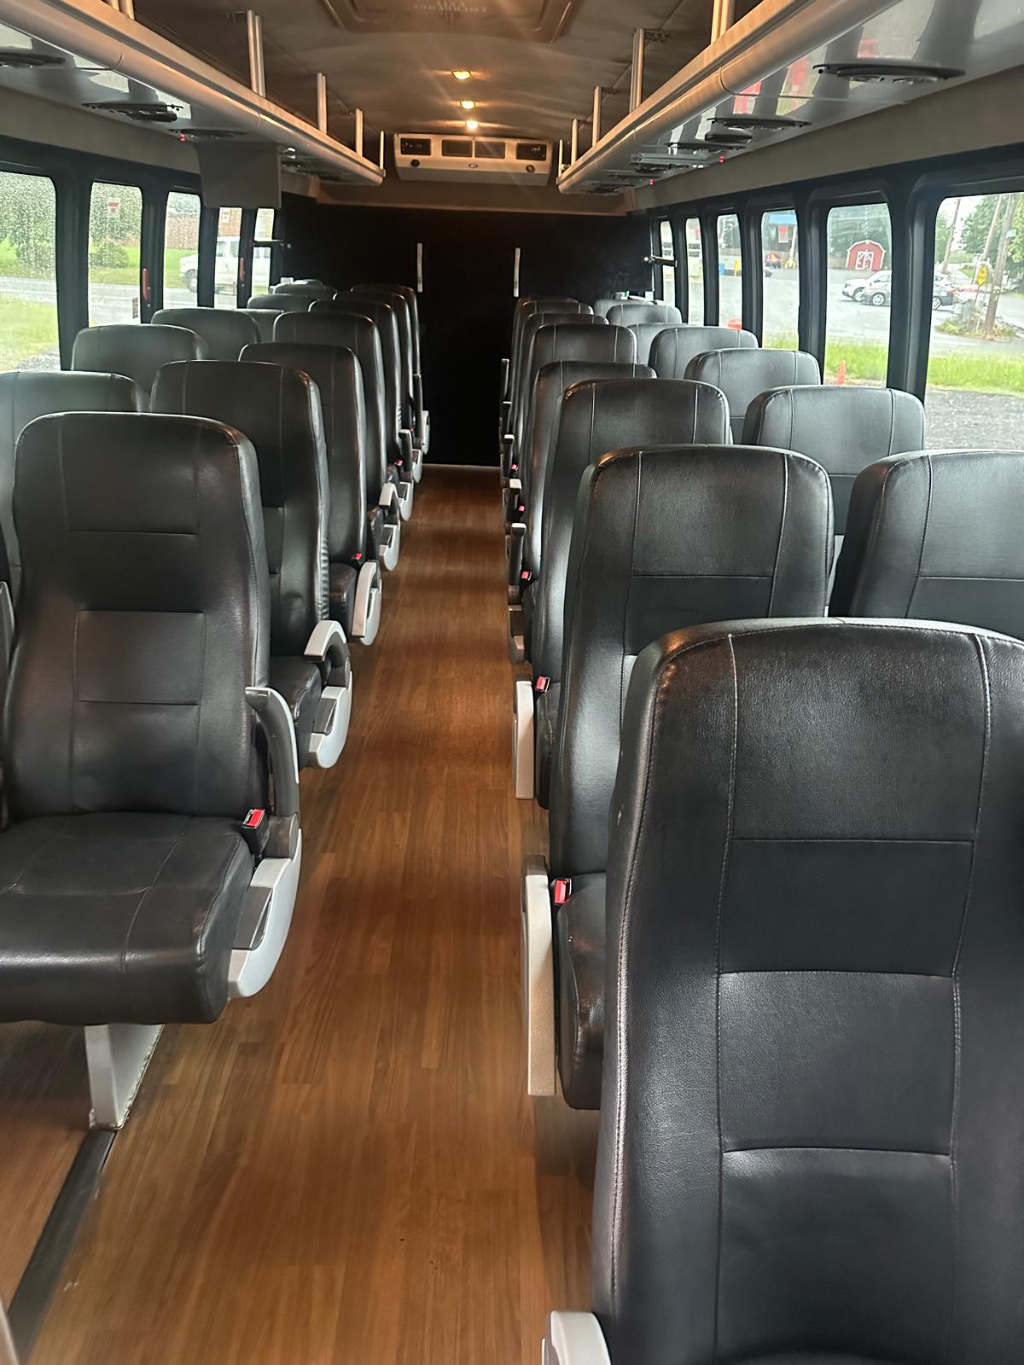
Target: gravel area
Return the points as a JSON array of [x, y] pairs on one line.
[[957, 419]]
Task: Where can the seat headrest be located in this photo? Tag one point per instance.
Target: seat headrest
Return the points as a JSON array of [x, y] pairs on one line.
[[224, 330], [313, 289], [936, 535], [844, 428], [625, 314], [281, 303], [134, 349], [743, 374], [674, 347], [582, 341]]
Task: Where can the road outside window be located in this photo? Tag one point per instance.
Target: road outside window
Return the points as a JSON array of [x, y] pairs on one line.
[[181, 250], [780, 264], [695, 271], [229, 229], [115, 246], [859, 294], [730, 272]]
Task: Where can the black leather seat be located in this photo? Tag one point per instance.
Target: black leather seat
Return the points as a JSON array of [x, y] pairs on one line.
[[130, 758], [602, 307], [410, 387], [628, 313], [937, 536], [311, 289], [547, 339], [744, 374], [224, 331], [552, 383], [355, 587], [674, 347], [398, 437], [279, 303], [28, 394], [662, 539], [646, 334], [843, 427], [596, 417], [280, 412], [812, 1119], [525, 310], [264, 319], [360, 335], [134, 350]]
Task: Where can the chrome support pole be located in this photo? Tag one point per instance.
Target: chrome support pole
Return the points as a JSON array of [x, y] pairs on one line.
[[321, 101], [359, 133], [574, 143], [636, 71], [596, 118], [254, 37]]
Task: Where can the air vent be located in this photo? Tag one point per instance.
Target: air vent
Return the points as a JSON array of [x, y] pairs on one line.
[[154, 112], [18, 59], [759, 123], [889, 73], [694, 146]]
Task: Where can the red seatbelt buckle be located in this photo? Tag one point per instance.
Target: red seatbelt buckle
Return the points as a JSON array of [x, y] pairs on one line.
[[526, 575], [542, 684], [256, 830], [561, 890], [357, 556]]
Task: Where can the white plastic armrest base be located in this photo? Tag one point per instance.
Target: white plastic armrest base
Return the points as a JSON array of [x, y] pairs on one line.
[[391, 544], [325, 745], [251, 968], [522, 742], [574, 1339], [367, 606], [538, 971], [515, 485], [405, 493], [425, 447], [323, 636]]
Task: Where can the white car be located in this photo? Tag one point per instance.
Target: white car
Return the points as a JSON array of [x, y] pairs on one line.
[[226, 271]]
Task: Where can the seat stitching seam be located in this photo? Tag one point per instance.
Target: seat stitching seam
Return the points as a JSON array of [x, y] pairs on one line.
[[782, 531], [924, 537]]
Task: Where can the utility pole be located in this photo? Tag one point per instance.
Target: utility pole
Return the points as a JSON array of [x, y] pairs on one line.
[[952, 232], [1000, 270]]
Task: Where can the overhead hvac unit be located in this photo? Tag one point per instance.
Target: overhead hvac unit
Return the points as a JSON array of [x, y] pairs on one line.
[[489, 160]]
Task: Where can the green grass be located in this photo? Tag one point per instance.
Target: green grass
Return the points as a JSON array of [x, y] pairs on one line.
[[117, 274], [968, 371], [26, 329]]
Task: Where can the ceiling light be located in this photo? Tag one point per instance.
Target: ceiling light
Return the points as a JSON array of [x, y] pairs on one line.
[[468, 104], [471, 125], [462, 75]]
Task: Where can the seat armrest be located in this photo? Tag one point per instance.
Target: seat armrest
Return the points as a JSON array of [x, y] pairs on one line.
[[574, 1339], [328, 649], [279, 728]]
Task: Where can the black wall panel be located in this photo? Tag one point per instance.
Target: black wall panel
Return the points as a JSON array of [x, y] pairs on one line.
[[467, 301]]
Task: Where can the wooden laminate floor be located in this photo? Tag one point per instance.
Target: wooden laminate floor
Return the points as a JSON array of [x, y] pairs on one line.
[[346, 1168]]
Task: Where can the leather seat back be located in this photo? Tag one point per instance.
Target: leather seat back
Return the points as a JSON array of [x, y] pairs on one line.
[[134, 350], [626, 314], [597, 417], [412, 306], [646, 334], [28, 394], [280, 303], [811, 1119], [359, 335], [577, 340], [523, 355], [312, 289], [937, 536], [552, 383], [399, 305], [743, 374], [527, 309], [143, 618], [279, 411], [674, 347], [337, 375], [602, 307], [264, 319], [663, 539], [382, 315], [224, 331], [844, 428]]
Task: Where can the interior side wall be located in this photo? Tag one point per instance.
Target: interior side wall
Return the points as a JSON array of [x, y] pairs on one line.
[[467, 298]]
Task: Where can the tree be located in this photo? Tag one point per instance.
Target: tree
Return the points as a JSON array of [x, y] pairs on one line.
[[858, 223], [978, 224]]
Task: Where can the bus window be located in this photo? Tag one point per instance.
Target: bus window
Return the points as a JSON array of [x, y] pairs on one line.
[[115, 244], [28, 282], [730, 272], [181, 250], [976, 359], [694, 271], [225, 286], [858, 296], [261, 251], [780, 264], [667, 249]]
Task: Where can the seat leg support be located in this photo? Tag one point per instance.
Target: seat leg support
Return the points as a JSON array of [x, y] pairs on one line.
[[538, 970], [523, 739], [117, 1056]]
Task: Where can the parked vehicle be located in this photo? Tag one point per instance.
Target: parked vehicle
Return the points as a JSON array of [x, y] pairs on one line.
[[225, 267]]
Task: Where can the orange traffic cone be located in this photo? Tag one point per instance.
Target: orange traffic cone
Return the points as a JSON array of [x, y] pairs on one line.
[[841, 376]]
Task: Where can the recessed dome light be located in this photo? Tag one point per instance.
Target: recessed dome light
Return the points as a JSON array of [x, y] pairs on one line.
[[471, 125], [462, 75], [468, 104]]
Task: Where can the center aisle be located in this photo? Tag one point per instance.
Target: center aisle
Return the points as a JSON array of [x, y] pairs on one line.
[[347, 1168]]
